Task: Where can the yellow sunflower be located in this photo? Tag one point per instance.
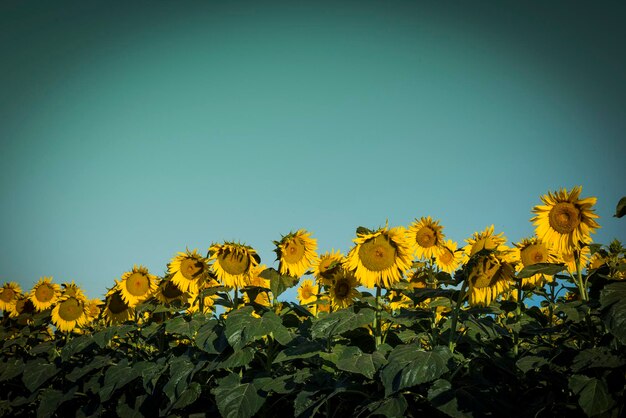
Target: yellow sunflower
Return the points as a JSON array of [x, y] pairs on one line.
[[69, 312], [23, 305], [448, 259], [188, 270], [208, 305], [398, 300], [307, 292], [343, 290], [484, 240], [323, 305], [488, 278], [568, 258], [296, 252], [262, 298], [255, 280], [564, 220], [137, 285], [379, 258], [426, 237], [233, 263], [94, 307], [116, 310], [45, 293], [326, 265], [417, 276], [8, 296], [533, 251], [168, 292], [72, 289]]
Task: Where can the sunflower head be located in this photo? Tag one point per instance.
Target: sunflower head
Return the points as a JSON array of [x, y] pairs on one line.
[[326, 266], [69, 313], [533, 251], [116, 310], [426, 236], [569, 258], [488, 277], [307, 292], [168, 292], [485, 240], [448, 259], [208, 305], [564, 221], [45, 293], [137, 285], [233, 263], [379, 258], [23, 305], [295, 252], [72, 289], [398, 300], [255, 279], [343, 290], [9, 293], [188, 270], [94, 307]]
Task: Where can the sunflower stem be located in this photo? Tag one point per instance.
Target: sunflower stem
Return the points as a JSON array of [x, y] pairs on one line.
[[518, 316], [582, 288], [377, 319], [455, 316], [236, 298]]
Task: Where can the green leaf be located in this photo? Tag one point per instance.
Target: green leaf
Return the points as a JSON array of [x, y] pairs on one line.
[[76, 345], [394, 406], [124, 410], [300, 349], [353, 360], [150, 372], [620, 209], [597, 357], [594, 397], [549, 269], [241, 327], [281, 384], [116, 377], [210, 338], [235, 399], [239, 358], [278, 282], [528, 363], [37, 372], [409, 366], [180, 369], [41, 348], [304, 401], [341, 321], [10, 369], [180, 325], [189, 395], [51, 399], [613, 301], [102, 338], [97, 362]]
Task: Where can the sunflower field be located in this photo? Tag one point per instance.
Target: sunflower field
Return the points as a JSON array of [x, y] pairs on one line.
[[404, 323]]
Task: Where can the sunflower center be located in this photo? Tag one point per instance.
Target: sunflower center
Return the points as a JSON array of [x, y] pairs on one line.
[[342, 289], [171, 291], [7, 295], [138, 284], [534, 254], [446, 256], [117, 304], [484, 272], [190, 268], [294, 251], [44, 293], [426, 237], [24, 306], [377, 253], [234, 263], [307, 292], [70, 309], [564, 217]]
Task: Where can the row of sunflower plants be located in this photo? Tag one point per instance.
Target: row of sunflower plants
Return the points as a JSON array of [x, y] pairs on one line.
[[406, 323]]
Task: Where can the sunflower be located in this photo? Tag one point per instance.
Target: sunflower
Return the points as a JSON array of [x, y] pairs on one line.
[[307, 292], [116, 310], [8, 296], [45, 293], [379, 258], [137, 285], [488, 277], [233, 263], [343, 290], [72, 289], [168, 292], [426, 237], [188, 269], [323, 305], [326, 265], [448, 259], [255, 279], [208, 305], [23, 305], [398, 300], [418, 276], [533, 251], [261, 298], [484, 240], [569, 259], [296, 252], [94, 307], [69, 312], [564, 220]]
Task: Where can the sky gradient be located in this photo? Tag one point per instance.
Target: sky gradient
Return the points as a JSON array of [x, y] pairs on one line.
[[130, 132]]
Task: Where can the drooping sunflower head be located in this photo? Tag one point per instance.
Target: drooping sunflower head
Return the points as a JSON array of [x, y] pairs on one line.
[[69, 313], [379, 258], [488, 277], [448, 259], [23, 305], [137, 285], [569, 258], [233, 263], [45, 293], [564, 221], [188, 270], [295, 252], [116, 309], [94, 307], [255, 279], [9, 293], [426, 236], [398, 300], [168, 292], [72, 289], [261, 298], [485, 240], [533, 251], [326, 266], [417, 275], [307, 292], [208, 305], [343, 290]]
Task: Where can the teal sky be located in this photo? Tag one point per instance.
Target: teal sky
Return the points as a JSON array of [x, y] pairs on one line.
[[129, 132]]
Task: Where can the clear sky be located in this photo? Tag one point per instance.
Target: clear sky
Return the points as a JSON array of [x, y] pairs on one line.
[[129, 132]]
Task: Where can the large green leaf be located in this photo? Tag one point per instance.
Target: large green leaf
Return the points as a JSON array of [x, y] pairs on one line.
[[51, 399], [180, 370], [97, 362], [189, 395], [183, 326], [613, 300], [241, 327], [102, 338], [10, 369], [409, 366], [37, 372], [150, 372], [299, 349], [116, 377], [593, 395], [210, 338], [76, 345], [392, 407], [280, 384], [528, 363], [235, 399], [596, 357], [341, 321], [549, 269], [239, 358], [278, 282], [353, 360]]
